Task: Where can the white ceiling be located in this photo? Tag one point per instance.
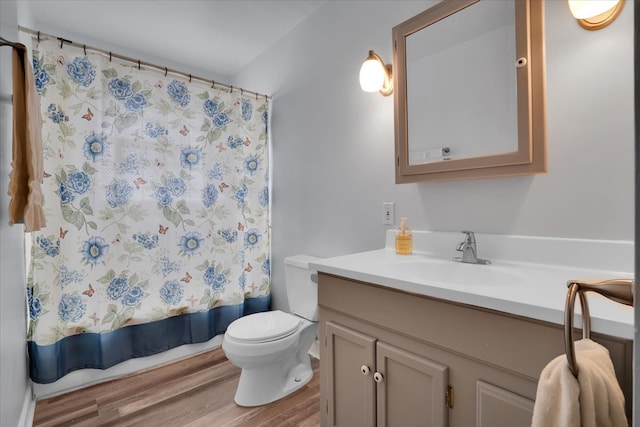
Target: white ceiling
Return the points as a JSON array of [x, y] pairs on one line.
[[217, 36]]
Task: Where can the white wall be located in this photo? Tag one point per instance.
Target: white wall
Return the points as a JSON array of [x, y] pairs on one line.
[[15, 390]]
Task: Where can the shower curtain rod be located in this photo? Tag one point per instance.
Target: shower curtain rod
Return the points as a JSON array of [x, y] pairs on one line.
[[19, 46], [141, 63], [5, 42]]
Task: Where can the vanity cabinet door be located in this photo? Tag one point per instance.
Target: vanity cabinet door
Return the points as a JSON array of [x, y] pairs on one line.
[[371, 382], [411, 389], [499, 406], [350, 359]]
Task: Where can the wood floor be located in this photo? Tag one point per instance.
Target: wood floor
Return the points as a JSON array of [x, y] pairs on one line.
[[194, 392]]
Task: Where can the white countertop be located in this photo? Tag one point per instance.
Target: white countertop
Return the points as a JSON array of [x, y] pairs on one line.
[[527, 289]]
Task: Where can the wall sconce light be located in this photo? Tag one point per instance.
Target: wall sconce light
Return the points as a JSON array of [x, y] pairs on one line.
[[375, 76], [595, 14]]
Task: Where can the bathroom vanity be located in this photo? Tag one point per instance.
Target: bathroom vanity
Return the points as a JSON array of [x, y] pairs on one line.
[[420, 340]]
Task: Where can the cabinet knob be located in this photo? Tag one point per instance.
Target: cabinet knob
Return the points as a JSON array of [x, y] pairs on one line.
[[377, 377], [365, 370]]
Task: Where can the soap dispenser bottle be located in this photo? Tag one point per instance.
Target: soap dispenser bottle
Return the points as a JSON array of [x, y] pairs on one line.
[[404, 239]]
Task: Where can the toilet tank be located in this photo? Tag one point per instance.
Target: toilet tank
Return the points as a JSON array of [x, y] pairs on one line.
[[302, 286]]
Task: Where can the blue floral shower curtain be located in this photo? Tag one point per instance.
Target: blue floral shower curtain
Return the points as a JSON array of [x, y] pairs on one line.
[[157, 206]]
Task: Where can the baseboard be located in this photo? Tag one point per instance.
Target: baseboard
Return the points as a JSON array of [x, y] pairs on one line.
[[28, 408]]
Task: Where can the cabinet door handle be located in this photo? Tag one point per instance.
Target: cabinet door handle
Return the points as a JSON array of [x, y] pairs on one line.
[[365, 370], [377, 377]]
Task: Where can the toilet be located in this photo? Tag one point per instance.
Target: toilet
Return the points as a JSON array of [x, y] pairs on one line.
[[272, 347]]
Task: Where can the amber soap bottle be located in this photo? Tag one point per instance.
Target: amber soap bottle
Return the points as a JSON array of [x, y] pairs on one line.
[[404, 239]]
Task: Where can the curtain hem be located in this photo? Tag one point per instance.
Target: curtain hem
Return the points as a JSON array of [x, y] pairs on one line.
[[49, 363]]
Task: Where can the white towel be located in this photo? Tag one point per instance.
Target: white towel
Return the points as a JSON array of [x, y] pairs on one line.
[[593, 400]]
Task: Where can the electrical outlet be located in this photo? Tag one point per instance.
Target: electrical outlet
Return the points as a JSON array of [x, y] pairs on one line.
[[387, 209]]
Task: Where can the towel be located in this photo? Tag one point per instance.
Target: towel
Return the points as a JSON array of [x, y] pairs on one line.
[[594, 399], [25, 185]]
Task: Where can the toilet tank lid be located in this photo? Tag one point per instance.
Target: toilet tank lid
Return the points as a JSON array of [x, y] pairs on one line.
[[301, 261]]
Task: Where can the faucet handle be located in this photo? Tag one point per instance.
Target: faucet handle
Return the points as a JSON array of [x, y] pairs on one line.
[[470, 236]]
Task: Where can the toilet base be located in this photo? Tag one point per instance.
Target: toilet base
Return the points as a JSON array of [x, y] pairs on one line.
[[272, 370], [266, 384]]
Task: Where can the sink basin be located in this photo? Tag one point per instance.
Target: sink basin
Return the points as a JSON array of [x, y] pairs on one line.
[[454, 273]]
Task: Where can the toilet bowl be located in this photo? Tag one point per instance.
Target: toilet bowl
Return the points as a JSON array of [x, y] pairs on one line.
[[272, 347]]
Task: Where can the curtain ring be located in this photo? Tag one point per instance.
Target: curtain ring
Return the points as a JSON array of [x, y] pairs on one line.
[[61, 41], [231, 91], [165, 71], [265, 98], [189, 78], [256, 96], [109, 56], [241, 91], [84, 47], [138, 64], [213, 84], [38, 36]]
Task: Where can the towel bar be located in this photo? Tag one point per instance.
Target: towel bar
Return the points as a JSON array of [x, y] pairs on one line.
[[619, 290]]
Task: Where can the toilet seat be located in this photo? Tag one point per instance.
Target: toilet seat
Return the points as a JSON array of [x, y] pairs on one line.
[[263, 327]]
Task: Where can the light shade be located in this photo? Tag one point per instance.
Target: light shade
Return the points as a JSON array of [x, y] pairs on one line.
[[371, 75], [584, 9], [375, 76], [595, 14]]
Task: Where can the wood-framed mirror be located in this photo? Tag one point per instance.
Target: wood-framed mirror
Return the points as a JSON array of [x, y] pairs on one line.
[[469, 84]]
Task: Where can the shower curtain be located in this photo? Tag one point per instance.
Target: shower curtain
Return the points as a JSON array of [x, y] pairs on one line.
[[157, 209]]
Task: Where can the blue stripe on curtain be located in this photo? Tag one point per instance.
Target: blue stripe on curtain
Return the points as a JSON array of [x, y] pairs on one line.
[[49, 363]]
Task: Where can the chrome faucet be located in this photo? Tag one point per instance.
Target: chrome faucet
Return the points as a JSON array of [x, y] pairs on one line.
[[469, 251]]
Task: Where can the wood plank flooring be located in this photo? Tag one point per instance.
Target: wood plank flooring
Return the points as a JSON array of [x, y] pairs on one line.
[[194, 392]]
